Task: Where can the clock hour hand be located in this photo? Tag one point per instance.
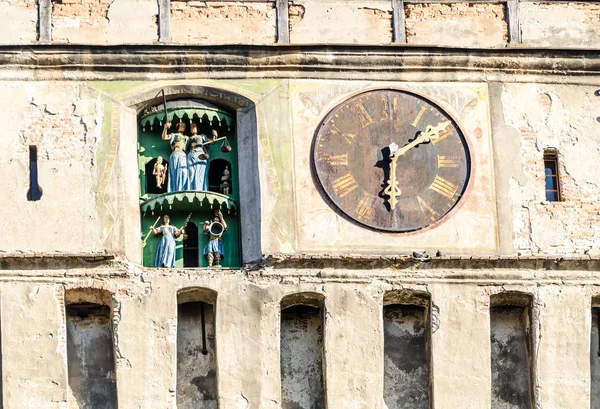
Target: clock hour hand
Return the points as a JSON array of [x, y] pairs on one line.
[[392, 189]]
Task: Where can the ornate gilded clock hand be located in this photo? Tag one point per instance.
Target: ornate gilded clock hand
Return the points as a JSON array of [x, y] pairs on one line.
[[392, 189], [430, 134]]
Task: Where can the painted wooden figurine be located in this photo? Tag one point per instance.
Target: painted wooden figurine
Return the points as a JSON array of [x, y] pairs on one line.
[[165, 254], [160, 171], [198, 159], [178, 171], [214, 230], [226, 181]]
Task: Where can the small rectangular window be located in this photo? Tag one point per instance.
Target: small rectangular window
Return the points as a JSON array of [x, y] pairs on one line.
[[35, 191], [551, 174]]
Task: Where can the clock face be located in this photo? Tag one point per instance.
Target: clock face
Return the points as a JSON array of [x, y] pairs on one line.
[[391, 160]]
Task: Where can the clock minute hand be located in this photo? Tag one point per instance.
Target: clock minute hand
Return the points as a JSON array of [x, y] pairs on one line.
[[430, 134]]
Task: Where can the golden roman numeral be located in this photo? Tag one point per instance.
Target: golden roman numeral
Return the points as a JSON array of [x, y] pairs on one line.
[[364, 208], [425, 207], [333, 129], [443, 135], [447, 161], [363, 116], [418, 118], [344, 185], [443, 187], [335, 160]]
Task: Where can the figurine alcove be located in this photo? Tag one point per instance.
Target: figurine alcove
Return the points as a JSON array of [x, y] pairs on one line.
[[198, 205]]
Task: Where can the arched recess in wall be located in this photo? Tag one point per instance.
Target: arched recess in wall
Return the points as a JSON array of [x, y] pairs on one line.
[[511, 352], [90, 348], [196, 349], [302, 353], [233, 116], [407, 362]]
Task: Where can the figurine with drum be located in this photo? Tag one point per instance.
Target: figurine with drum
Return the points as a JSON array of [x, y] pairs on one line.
[[214, 230]]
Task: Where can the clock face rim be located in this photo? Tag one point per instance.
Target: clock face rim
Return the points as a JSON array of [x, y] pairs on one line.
[[440, 106]]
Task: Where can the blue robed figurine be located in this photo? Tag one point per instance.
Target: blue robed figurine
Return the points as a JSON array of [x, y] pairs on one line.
[[178, 165], [214, 230], [165, 254], [197, 159]]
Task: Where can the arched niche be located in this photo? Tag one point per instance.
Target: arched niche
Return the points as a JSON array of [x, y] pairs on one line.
[[217, 167], [133, 103], [196, 349], [198, 168], [302, 335], [406, 344], [90, 348], [191, 251]]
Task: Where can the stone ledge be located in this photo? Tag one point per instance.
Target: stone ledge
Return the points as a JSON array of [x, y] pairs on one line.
[[407, 262], [128, 62]]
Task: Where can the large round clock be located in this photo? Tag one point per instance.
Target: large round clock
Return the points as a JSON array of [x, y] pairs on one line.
[[391, 160]]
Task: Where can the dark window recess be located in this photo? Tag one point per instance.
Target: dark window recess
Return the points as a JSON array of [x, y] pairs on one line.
[[35, 191], [301, 341], [510, 357], [90, 356], [215, 172], [190, 246], [551, 173]]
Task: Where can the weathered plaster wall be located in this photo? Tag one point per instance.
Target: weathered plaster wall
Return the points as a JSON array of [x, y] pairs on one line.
[[65, 126], [301, 348], [342, 22], [247, 327], [457, 24], [509, 357], [561, 25], [105, 21], [406, 378], [561, 118], [19, 21], [227, 22]]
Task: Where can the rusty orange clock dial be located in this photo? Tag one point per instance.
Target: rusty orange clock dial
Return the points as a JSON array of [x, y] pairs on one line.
[[391, 160]]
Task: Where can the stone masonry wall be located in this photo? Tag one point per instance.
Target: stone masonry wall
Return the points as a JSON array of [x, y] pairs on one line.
[[105, 21], [22, 15], [457, 24], [226, 22]]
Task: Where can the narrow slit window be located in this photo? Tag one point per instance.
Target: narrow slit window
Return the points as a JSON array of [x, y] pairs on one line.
[[551, 174], [35, 191]]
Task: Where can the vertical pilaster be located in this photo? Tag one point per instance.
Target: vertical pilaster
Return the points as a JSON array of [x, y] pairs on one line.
[[398, 22], [460, 348], [514, 22], [563, 354], [164, 21], [44, 20], [283, 21]]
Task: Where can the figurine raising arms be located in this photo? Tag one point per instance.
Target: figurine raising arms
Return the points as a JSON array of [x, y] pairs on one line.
[[178, 171], [165, 254], [160, 172], [214, 230]]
